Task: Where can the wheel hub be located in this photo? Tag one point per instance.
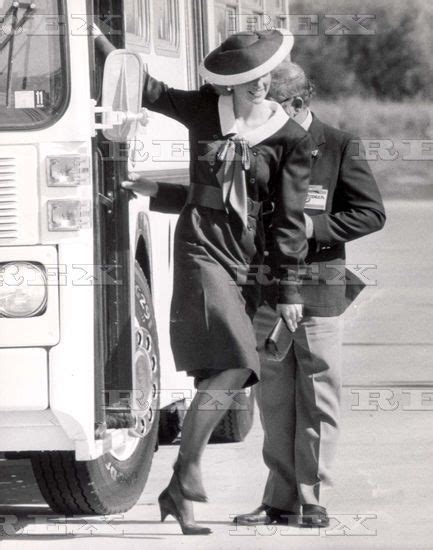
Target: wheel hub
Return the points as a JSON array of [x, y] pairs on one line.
[[144, 396]]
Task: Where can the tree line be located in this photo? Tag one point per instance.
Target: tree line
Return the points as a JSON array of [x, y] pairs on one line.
[[387, 55]]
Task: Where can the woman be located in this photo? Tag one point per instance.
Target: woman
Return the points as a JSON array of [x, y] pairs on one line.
[[244, 151]]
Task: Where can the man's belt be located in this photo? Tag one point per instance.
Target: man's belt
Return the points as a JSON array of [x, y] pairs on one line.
[[211, 197]]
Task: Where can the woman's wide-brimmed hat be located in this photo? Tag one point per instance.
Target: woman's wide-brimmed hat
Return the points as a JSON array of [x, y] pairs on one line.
[[246, 56]]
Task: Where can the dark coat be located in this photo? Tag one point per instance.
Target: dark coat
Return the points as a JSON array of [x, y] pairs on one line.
[[214, 297], [354, 208], [279, 172]]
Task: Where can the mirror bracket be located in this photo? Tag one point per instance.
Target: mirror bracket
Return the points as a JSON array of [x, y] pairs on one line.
[[121, 111]]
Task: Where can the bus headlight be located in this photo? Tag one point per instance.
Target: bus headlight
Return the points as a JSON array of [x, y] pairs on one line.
[[23, 289], [67, 170], [68, 215]]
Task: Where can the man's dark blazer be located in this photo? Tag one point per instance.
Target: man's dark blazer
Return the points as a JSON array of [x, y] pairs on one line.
[[354, 208]]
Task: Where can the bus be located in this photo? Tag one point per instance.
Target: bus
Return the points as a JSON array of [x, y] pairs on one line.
[[88, 387]]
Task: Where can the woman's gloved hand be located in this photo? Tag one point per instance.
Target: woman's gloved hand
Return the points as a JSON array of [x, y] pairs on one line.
[[140, 185]]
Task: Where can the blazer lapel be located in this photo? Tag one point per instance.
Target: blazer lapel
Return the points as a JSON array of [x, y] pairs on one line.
[[317, 131]]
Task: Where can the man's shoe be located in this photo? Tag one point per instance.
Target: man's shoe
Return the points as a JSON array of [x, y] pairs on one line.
[[264, 515], [314, 516]]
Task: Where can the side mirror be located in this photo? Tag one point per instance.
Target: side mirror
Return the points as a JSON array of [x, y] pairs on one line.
[[122, 90]]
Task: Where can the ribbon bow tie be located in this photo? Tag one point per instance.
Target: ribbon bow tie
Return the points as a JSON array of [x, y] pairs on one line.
[[234, 156]]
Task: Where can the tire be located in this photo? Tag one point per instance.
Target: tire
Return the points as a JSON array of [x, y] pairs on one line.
[[113, 482], [15, 455], [236, 424]]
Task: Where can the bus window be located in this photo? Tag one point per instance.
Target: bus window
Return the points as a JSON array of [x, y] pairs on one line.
[[226, 20], [33, 67], [282, 22], [278, 9], [258, 4], [167, 31], [137, 23], [255, 21], [280, 5]]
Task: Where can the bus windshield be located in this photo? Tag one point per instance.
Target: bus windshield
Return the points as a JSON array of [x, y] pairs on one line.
[[33, 76]]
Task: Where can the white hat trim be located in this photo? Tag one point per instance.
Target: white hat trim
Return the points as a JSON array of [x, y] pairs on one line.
[[247, 76]]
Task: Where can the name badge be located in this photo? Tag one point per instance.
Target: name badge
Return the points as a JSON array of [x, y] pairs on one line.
[[316, 198]]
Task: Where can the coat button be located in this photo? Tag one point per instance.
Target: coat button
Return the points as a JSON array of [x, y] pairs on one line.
[[253, 180], [255, 153]]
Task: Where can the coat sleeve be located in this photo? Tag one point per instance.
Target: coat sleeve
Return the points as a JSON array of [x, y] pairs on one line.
[[170, 198], [288, 226], [359, 208], [183, 106]]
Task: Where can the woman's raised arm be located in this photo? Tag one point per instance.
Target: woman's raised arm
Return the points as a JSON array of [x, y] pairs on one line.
[[181, 105]]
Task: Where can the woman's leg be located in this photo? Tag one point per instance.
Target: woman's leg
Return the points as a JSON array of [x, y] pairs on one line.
[[200, 421], [211, 402]]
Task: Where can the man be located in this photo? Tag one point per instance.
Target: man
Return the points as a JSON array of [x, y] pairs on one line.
[[299, 397]]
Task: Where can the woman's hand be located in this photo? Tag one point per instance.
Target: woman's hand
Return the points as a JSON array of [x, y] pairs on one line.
[[291, 313], [141, 185]]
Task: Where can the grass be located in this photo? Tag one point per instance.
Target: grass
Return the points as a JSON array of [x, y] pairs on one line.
[[402, 169]]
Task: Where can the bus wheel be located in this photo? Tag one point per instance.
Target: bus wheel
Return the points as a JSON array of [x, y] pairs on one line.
[[237, 422], [114, 482]]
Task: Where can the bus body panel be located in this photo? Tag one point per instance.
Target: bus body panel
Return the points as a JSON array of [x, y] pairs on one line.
[[70, 349], [29, 366], [72, 360], [32, 431]]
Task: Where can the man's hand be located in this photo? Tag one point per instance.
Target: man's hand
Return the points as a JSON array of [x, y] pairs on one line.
[[309, 227], [291, 313], [141, 185]]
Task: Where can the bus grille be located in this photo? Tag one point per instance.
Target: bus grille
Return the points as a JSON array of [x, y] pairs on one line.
[[8, 199]]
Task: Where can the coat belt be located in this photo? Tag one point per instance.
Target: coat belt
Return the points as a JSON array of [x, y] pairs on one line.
[[211, 197]]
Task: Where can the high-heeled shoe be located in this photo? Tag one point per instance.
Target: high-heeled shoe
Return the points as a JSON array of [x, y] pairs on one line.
[[188, 493], [168, 506]]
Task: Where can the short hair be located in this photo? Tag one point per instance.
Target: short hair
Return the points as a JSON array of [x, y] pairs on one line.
[[289, 80]]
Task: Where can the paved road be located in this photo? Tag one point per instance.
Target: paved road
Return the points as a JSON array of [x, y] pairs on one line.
[[383, 494]]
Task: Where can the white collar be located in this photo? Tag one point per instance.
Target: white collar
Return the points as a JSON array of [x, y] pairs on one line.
[[255, 135], [307, 122]]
